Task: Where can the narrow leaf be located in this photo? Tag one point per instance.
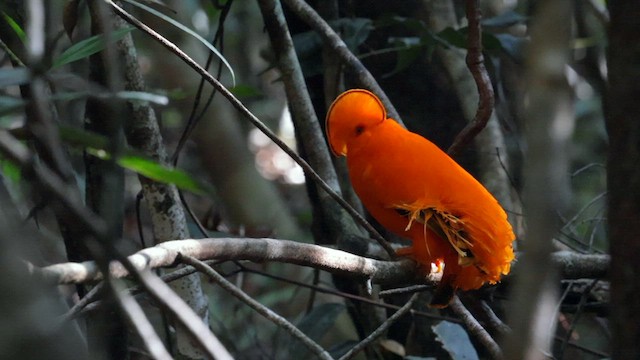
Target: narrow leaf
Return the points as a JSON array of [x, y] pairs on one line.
[[15, 26], [88, 47], [97, 145], [158, 172], [188, 31]]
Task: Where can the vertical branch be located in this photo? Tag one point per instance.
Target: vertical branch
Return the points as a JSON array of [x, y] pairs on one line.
[[311, 17], [302, 111], [440, 15], [622, 109], [475, 63], [314, 146], [167, 214], [104, 180], [549, 122]]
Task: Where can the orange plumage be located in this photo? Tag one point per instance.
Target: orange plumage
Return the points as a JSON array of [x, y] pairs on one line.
[[415, 190]]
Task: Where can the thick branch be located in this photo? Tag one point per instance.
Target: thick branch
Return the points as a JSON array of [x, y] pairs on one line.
[[571, 265], [623, 176], [258, 250], [549, 119]]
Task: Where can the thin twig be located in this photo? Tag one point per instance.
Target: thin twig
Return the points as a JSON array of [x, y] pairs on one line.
[[258, 307], [139, 321], [485, 314], [381, 329], [576, 317], [90, 297], [349, 296], [185, 315], [194, 118], [475, 329], [312, 294], [307, 14], [475, 63], [87, 299], [405, 290], [255, 121], [598, 353]]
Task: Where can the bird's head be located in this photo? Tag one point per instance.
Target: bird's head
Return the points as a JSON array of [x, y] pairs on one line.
[[351, 114]]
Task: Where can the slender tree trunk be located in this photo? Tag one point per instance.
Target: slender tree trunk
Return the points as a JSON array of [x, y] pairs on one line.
[[622, 111], [549, 120]]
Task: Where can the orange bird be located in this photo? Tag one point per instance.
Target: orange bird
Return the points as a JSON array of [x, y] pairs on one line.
[[415, 190]]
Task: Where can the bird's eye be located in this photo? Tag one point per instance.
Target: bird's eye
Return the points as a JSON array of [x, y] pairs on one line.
[[359, 129]]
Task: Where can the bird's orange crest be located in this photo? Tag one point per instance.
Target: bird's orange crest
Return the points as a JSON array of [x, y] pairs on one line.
[[350, 114]]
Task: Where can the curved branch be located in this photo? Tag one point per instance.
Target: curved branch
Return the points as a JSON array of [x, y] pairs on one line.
[[475, 63]]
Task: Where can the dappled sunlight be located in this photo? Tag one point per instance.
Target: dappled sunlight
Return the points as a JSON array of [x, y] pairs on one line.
[[271, 161]]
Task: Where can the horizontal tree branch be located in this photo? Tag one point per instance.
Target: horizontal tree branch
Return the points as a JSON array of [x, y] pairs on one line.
[[571, 265]]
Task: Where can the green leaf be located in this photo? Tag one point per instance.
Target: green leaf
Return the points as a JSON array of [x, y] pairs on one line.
[[188, 31], [455, 341], [15, 26], [245, 91], [161, 173], [10, 171], [88, 47], [97, 146]]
